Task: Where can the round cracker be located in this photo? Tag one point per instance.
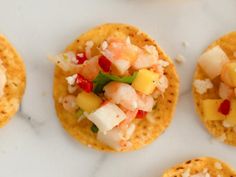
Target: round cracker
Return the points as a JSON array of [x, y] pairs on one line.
[[145, 131], [16, 80], [216, 128], [213, 166]]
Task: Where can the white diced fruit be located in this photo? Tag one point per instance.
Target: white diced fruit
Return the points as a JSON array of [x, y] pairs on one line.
[[111, 138], [212, 61], [121, 65], [107, 116]]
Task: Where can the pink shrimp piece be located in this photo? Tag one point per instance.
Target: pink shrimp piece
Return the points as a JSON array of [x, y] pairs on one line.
[[160, 66], [145, 102], [121, 93], [121, 53], [130, 116], [156, 93], [225, 92], [146, 58], [89, 69], [69, 103], [162, 84]]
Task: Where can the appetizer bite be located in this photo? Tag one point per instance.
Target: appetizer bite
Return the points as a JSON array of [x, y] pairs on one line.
[[114, 88], [201, 167], [12, 80], [214, 88]]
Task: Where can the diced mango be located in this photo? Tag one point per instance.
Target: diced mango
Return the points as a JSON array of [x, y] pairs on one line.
[[145, 81], [231, 118], [88, 101], [210, 109], [228, 74]]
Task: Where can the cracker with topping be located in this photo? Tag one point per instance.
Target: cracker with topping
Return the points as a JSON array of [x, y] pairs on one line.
[[201, 167], [214, 86], [146, 129]]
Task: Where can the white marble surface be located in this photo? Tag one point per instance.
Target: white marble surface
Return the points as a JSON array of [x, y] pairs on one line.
[[35, 145]]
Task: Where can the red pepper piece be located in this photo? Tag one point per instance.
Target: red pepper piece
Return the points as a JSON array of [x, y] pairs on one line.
[[141, 114], [104, 63], [225, 107], [81, 58], [84, 84]]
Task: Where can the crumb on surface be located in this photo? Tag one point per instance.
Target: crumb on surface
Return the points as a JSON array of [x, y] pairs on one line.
[[185, 44], [180, 59]]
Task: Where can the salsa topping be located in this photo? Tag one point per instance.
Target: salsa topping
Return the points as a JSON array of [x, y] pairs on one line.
[[113, 87]]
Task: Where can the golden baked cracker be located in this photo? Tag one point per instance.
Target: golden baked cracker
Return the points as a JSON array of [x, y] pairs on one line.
[[145, 131], [16, 79], [214, 167], [216, 128]]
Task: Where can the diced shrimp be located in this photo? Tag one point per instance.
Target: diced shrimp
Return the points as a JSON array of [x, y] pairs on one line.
[[159, 67], [156, 93], [66, 61], [225, 92], [121, 53], [130, 116], [89, 69], [146, 58], [145, 102], [69, 103], [121, 93], [162, 84], [72, 88]]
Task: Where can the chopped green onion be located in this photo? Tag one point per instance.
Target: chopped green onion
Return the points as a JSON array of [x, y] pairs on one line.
[[102, 79], [79, 113], [94, 128]]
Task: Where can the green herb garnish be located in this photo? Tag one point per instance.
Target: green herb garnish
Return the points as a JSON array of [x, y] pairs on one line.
[[94, 128], [79, 113], [102, 79]]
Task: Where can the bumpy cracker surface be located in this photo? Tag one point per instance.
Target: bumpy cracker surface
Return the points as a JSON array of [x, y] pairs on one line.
[[145, 132], [216, 128], [16, 79], [213, 166]]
